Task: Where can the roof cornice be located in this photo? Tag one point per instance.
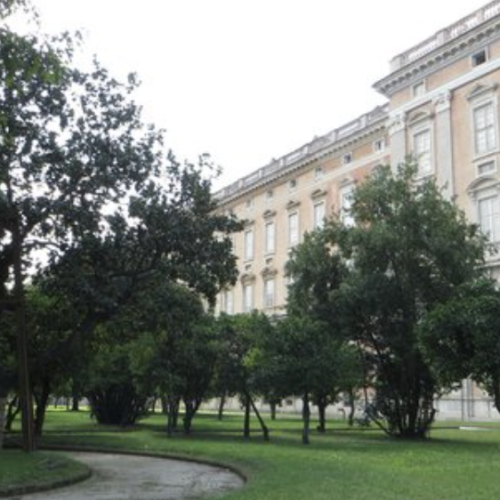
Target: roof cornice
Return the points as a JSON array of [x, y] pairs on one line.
[[337, 140], [444, 48]]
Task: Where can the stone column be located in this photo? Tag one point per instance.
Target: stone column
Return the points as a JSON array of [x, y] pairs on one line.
[[444, 144]]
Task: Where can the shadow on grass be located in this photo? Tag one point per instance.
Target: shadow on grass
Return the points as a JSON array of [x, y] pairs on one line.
[[285, 433]]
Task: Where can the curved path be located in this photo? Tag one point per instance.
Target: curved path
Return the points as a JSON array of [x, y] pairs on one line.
[[125, 477]]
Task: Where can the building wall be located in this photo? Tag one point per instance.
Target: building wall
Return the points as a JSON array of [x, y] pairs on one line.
[[439, 94], [317, 185]]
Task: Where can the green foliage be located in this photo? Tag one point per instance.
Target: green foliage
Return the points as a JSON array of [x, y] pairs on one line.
[[409, 250], [7, 360], [320, 363], [110, 388], [317, 272], [85, 181], [462, 337], [238, 338]]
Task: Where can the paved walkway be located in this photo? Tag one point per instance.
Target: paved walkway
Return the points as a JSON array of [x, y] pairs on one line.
[[123, 477]]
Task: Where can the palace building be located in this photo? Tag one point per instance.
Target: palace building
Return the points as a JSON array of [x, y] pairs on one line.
[[442, 108]]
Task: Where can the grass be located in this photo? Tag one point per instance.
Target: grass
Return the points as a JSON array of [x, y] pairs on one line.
[[19, 470], [344, 464]]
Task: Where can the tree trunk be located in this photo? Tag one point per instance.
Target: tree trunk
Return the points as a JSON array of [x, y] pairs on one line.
[[496, 393], [272, 405], [41, 406], [352, 408], [25, 396], [306, 418], [220, 412], [176, 402], [192, 406], [265, 430], [75, 397], [171, 404], [13, 409], [3, 406], [246, 424], [322, 404]]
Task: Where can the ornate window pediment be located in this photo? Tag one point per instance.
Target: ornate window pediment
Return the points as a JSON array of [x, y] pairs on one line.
[[486, 182], [482, 89], [269, 272], [346, 181], [247, 278], [268, 214], [419, 116], [318, 193], [292, 204]]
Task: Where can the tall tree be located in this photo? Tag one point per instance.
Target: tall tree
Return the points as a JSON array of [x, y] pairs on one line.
[[317, 273], [81, 175], [462, 337], [237, 371], [408, 251]]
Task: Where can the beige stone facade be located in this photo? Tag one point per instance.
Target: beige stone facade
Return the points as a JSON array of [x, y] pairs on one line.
[[442, 107]]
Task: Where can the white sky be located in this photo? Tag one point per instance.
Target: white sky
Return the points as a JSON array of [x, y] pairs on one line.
[[249, 80]]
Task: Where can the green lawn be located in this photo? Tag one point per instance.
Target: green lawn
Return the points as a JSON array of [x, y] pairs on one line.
[[18, 470], [344, 464]]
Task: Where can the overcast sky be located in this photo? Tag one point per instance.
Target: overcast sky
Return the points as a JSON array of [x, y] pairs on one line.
[[249, 80]]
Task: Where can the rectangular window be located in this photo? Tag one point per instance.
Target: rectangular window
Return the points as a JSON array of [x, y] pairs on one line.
[[318, 173], [292, 184], [247, 298], [228, 303], [489, 217], [347, 158], [422, 151], [379, 146], [269, 289], [319, 215], [419, 89], [293, 229], [479, 58], [488, 167], [249, 244], [270, 237], [484, 129], [346, 205]]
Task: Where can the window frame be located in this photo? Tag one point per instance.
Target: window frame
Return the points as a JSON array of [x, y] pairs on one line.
[[482, 197], [419, 89], [319, 173], [228, 301], [474, 58], [479, 164], [248, 244], [418, 131], [248, 297], [296, 240], [268, 304], [347, 158], [319, 223], [379, 145], [490, 101], [270, 249]]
